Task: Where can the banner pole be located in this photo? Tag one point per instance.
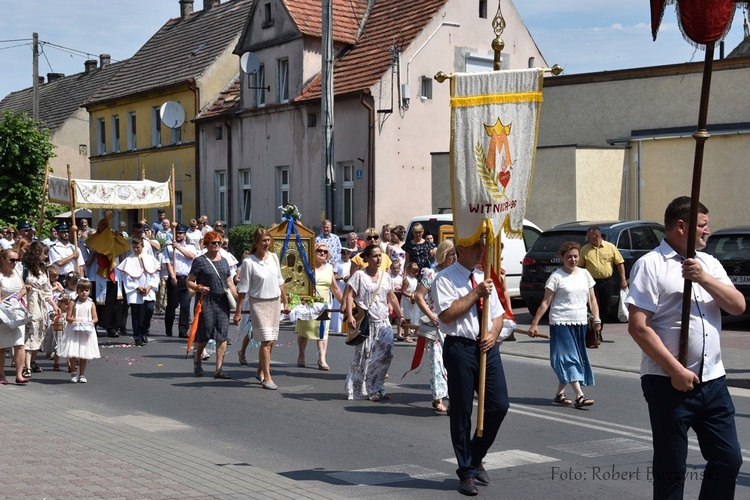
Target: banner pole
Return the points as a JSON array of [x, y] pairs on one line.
[[483, 331], [40, 222], [73, 226]]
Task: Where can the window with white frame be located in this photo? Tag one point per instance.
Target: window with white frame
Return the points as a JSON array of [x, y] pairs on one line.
[[220, 199], [282, 80], [283, 186], [115, 133], [156, 126], [425, 88], [131, 131], [483, 9], [347, 197], [101, 137], [247, 214], [260, 84], [178, 205]]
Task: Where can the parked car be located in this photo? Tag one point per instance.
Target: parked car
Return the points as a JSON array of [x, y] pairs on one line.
[[732, 247], [633, 238], [513, 252]]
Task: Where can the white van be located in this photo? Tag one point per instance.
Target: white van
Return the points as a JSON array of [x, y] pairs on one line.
[[513, 253]]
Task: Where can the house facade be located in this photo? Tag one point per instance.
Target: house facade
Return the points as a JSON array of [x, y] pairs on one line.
[[261, 138], [189, 61]]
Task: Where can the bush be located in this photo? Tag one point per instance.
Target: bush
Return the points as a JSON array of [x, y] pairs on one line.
[[241, 239]]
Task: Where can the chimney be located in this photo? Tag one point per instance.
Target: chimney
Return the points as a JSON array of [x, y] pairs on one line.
[[40, 79], [186, 8], [51, 77], [89, 65], [104, 60], [208, 4]]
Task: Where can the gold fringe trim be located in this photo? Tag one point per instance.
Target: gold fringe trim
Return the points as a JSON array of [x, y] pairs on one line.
[[480, 100]]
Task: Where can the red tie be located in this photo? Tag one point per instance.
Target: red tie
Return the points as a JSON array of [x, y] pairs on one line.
[[480, 302]]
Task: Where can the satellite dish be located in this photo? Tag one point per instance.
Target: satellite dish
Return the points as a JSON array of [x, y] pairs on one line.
[[249, 63], [172, 114]]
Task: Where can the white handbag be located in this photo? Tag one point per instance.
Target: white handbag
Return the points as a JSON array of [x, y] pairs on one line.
[[622, 309], [13, 312]]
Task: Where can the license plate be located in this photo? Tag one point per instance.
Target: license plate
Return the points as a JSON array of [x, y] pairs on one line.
[[740, 280], [551, 269]]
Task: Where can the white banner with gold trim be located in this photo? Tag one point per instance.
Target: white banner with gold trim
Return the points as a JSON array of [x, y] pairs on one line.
[[494, 123], [110, 194]]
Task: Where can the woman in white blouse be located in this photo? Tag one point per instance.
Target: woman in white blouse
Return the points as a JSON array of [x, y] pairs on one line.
[[566, 293], [261, 281]]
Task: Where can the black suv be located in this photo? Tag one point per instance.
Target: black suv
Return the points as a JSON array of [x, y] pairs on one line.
[[732, 247], [632, 238]]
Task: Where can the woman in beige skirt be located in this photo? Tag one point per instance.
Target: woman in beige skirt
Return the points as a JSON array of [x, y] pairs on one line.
[[261, 281]]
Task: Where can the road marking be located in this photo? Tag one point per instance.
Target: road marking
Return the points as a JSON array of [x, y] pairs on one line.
[[510, 458], [385, 475], [603, 447], [144, 421]]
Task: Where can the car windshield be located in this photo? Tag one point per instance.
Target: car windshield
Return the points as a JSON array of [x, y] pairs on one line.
[[729, 247], [551, 242]]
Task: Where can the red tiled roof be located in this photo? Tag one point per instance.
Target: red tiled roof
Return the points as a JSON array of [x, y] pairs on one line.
[[391, 22], [225, 104], [347, 15]]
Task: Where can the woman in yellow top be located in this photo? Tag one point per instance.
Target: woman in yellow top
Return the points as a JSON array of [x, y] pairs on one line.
[[372, 237], [325, 284]]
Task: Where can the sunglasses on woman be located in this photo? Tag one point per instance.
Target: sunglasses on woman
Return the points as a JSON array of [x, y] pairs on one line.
[[13, 261], [321, 251], [373, 237]]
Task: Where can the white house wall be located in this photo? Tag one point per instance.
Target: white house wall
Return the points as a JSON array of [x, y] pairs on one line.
[[404, 141], [68, 139]]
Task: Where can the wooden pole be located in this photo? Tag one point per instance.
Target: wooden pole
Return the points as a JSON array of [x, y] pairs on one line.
[[142, 214], [40, 222], [174, 220], [483, 331], [73, 226], [701, 135]]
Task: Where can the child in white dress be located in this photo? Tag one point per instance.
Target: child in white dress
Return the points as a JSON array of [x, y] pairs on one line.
[[79, 342], [408, 306]]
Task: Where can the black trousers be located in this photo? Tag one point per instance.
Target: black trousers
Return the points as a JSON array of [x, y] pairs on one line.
[[603, 290], [461, 359], [177, 295], [113, 315]]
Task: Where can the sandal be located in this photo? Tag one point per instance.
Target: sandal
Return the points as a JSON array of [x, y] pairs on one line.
[[197, 368], [301, 362], [35, 368], [222, 375], [581, 401], [384, 395], [259, 377], [26, 373], [243, 359], [408, 339], [439, 406], [562, 399], [56, 367], [375, 397]]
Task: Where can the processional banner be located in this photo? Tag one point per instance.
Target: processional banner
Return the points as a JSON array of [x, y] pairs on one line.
[[110, 194], [494, 124]]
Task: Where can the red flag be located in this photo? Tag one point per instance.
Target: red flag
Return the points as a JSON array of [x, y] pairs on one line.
[[702, 21]]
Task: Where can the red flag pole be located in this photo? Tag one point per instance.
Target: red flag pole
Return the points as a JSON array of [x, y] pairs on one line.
[[701, 135]]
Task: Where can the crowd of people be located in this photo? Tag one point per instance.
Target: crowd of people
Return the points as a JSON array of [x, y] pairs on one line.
[[391, 280]]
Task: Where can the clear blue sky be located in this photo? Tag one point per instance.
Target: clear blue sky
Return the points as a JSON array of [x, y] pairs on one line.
[[581, 35]]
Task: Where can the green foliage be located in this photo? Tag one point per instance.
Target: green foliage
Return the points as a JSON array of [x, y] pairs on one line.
[[25, 149], [241, 239]]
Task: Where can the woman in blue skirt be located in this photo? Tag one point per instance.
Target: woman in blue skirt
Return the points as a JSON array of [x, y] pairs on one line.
[[566, 294]]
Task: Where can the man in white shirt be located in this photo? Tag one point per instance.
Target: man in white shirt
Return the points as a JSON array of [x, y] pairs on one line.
[[140, 275], [7, 239], [178, 258], [64, 255], [696, 395], [459, 293], [331, 240], [52, 237]]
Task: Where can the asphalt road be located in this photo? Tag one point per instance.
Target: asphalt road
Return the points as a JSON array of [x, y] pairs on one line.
[[308, 431]]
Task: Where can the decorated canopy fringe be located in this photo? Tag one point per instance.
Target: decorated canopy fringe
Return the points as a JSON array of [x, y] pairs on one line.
[[494, 126], [701, 21], [110, 194]]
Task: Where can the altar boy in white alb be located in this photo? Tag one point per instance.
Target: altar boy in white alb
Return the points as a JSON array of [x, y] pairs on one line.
[[140, 273]]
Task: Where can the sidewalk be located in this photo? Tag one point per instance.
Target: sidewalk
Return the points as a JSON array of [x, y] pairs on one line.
[[49, 453], [620, 352]]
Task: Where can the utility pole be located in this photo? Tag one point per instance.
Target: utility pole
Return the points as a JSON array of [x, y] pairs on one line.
[[326, 110], [35, 83]]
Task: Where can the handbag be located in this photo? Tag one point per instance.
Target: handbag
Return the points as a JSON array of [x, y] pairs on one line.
[[227, 291], [362, 318], [13, 312]]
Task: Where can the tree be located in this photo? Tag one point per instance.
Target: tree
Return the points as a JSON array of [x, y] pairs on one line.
[[25, 149]]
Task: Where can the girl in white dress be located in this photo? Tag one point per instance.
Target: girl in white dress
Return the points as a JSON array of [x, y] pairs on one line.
[[410, 309], [79, 342]]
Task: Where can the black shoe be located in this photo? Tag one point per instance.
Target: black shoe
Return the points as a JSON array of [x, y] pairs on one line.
[[168, 334], [145, 339], [468, 487], [482, 476], [183, 335], [113, 335], [139, 343]]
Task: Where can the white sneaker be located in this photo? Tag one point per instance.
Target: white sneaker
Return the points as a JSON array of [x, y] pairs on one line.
[[82, 379], [74, 378]]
